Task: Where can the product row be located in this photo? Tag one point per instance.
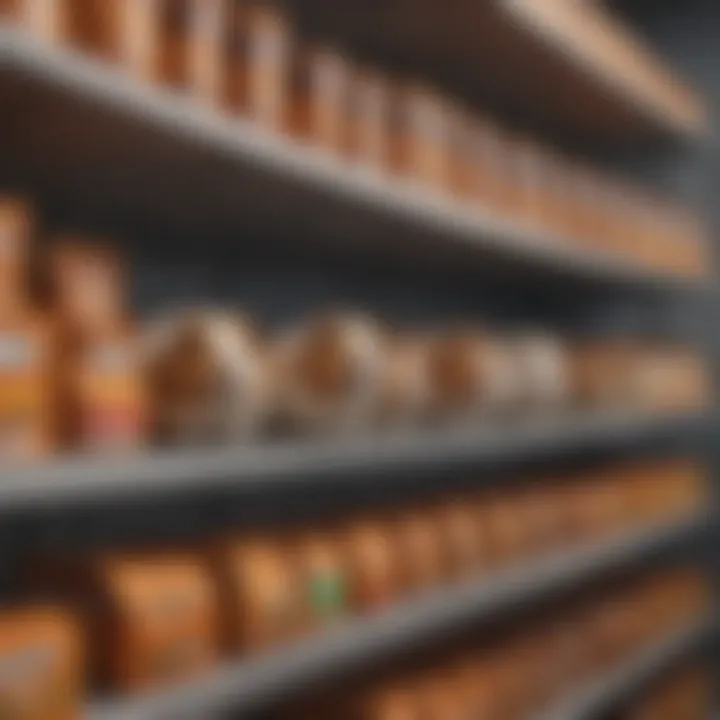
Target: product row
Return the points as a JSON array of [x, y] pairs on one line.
[[242, 57], [77, 374], [527, 669], [144, 618], [686, 694]]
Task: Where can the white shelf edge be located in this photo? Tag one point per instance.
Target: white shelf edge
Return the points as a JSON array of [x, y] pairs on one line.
[[247, 143], [243, 685]]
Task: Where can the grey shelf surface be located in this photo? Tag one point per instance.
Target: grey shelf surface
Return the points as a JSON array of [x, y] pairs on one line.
[[248, 684], [502, 52], [88, 480], [605, 693], [85, 129]]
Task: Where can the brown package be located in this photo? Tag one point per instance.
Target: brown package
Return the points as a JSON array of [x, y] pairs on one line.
[[392, 704], [462, 537], [44, 18], [207, 378], [406, 392], [319, 110], [41, 665], [371, 566], [24, 348], [319, 560], [504, 526], [257, 63], [332, 371], [190, 46], [16, 228], [122, 31], [470, 375], [261, 597], [544, 372], [421, 142], [98, 393], [419, 550], [441, 699], [25, 422], [150, 619], [369, 122]]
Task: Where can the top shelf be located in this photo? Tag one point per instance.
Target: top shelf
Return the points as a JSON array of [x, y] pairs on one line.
[[572, 65], [194, 172]]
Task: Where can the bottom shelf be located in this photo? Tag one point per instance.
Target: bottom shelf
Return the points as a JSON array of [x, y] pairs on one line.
[[602, 694], [243, 685]]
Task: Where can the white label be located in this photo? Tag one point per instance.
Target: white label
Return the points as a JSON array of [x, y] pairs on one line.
[[24, 664], [15, 351]]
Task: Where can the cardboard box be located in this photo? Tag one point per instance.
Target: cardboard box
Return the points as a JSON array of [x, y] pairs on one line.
[[42, 665], [258, 51]]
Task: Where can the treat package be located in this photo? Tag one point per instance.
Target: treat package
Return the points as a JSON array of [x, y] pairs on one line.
[[323, 577], [371, 565], [125, 32], [98, 391], [262, 603], [16, 229], [190, 46], [332, 373], [369, 125], [419, 550], [42, 665], [207, 378], [150, 618], [24, 344], [258, 51], [25, 422], [422, 142], [472, 375], [544, 371], [46, 19], [391, 703], [320, 91], [407, 393], [464, 543]]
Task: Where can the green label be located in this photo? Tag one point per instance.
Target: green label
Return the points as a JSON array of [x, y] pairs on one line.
[[327, 594]]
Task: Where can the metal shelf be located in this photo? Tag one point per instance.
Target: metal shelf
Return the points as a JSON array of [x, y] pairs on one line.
[[544, 58], [88, 480], [191, 168], [603, 694], [245, 685]]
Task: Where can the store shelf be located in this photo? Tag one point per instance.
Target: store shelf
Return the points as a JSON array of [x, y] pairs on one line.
[[571, 64], [613, 61], [85, 132], [87, 480], [602, 695], [250, 683]]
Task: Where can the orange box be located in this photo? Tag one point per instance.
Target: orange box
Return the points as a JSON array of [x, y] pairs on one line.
[[42, 665], [260, 589], [98, 391], [373, 573], [191, 36], [258, 49], [45, 18], [25, 422], [370, 119], [323, 578], [320, 98], [150, 619], [421, 142], [24, 343], [123, 31]]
